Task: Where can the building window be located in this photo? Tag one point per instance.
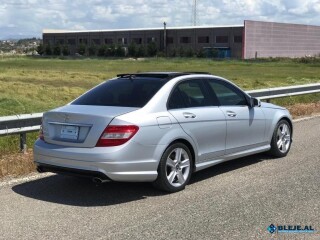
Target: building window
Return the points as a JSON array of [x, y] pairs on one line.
[[169, 40], [151, 39], [83, 41], [237, 39], [108, 41], [122, 41], [222, 39], [137, 40], [185, 39], [71, 41], [203, 39], [96, 41]]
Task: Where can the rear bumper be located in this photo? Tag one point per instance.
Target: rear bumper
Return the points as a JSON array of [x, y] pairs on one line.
[[123, 164], [71, 172]]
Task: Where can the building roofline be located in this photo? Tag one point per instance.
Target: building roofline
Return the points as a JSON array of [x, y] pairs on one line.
[[135, 29], [287, 23]]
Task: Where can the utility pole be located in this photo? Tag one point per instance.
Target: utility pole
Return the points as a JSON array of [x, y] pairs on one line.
[[194, 18], [165, 38]]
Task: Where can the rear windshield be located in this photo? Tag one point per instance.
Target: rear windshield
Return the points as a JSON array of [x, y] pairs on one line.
[[122, 93]]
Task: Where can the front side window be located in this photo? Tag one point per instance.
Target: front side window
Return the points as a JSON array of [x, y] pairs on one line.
[[188, 94], [227, 94], [122, 93]]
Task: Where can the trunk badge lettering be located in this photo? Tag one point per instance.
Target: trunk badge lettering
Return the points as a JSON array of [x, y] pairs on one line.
[[66, 118]]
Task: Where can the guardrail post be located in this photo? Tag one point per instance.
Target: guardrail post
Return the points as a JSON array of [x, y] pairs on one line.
[[23, 142], [268, 100]]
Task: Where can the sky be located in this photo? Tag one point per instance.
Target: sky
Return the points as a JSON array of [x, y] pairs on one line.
[[27, 18]]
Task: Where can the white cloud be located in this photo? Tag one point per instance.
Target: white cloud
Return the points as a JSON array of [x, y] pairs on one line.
[[31, 16]]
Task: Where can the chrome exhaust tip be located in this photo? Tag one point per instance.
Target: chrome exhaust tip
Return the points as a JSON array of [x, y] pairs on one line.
[[99, 180]]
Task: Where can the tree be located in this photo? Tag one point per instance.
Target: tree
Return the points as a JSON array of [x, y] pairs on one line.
[[152, 49], [102, 50], [172, 52], [57, 50], [132, 50], [82, 49], [40, 49], [200, 53], [141, 51], [189, 52], [111, 51], [48, 50], [92, 50], [119, 52], [65, 50], [181, 52]]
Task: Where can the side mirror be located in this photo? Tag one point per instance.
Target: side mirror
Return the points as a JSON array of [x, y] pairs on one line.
[[256, 102]]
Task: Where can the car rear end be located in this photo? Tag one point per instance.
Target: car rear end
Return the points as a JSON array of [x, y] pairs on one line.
[[85, 139]]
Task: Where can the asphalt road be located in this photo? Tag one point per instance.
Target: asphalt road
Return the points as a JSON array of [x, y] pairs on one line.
[[234, 200]]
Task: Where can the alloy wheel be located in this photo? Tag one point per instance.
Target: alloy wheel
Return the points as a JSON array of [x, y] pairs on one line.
[[177, 167], [283, 138]]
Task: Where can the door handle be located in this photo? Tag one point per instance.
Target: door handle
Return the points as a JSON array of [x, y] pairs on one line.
[[189, 115], [231, 114]]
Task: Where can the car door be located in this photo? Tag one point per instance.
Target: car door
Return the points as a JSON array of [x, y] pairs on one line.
[[245, 124], [199, 117]]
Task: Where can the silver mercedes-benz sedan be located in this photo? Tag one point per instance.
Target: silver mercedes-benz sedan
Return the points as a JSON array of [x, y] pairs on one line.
[[160, 128]]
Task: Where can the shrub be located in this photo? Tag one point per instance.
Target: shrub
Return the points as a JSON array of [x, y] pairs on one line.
[[92, 50], [141, 51], [40, 49], [57, 50], [82, 49], [120, 52], [172, 52], [102, 51], [132, 50], [181, 52], [200, 53], [110, 51], [152, 49], [65, 50], [48, 50], [189, 53]]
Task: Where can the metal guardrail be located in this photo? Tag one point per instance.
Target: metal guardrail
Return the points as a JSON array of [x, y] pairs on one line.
[[280, 92], [22, 124]]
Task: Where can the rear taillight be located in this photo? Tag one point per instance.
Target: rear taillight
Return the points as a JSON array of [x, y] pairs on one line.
[[41, 136], [117, 135]]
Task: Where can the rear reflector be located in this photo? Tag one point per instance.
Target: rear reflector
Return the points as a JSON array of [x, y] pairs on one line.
[[117, 135], [41, 136]]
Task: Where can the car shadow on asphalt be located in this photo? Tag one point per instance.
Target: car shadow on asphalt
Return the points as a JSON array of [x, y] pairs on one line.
[[84, 193]]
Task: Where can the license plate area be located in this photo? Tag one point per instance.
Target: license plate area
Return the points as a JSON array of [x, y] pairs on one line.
[[69, 132]]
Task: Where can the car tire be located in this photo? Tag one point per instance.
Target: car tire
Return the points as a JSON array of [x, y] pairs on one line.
[[281, 139], [175, 168]]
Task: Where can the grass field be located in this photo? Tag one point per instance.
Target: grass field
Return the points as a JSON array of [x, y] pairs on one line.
[[29, 85]]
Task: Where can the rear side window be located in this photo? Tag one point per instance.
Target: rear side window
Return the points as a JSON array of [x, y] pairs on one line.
[[188, 94], [227, 94], [122, 93]]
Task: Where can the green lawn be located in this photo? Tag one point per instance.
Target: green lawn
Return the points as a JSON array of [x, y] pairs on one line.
[[29, 85]]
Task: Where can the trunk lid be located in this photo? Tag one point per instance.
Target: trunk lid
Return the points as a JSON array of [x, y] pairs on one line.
[[79, 125]]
